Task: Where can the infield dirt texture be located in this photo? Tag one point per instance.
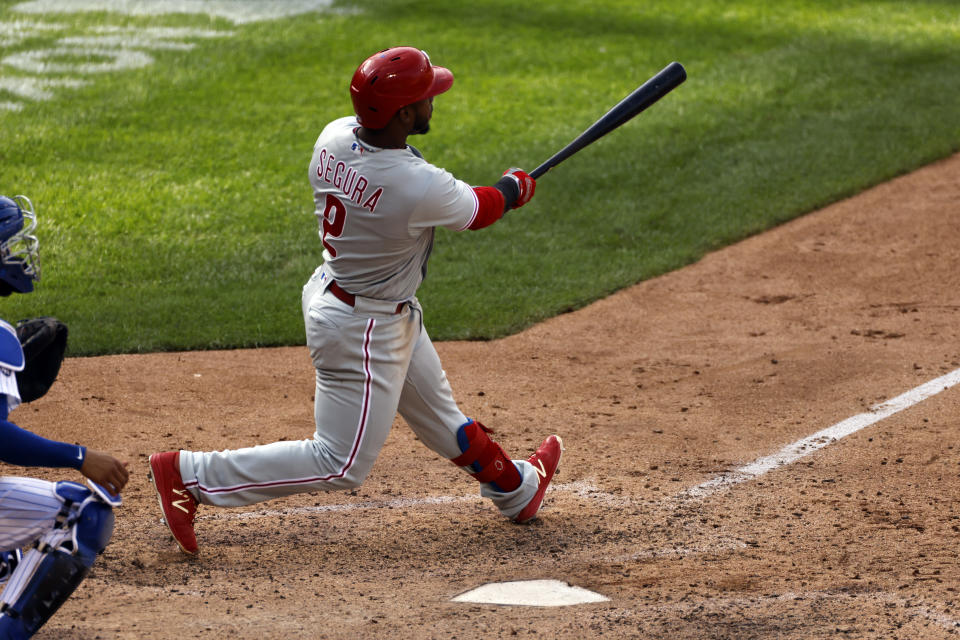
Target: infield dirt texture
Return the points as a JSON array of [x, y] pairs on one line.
[[655, 390]]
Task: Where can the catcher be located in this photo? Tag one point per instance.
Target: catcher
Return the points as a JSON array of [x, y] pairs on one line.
[[65, 523]]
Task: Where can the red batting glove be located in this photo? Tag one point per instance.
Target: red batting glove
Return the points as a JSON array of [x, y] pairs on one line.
[[525, 184]]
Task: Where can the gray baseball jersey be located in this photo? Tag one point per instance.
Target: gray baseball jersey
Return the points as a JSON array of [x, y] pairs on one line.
[[377, 210]]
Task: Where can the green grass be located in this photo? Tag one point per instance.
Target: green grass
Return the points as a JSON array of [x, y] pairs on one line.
[[175, 211]]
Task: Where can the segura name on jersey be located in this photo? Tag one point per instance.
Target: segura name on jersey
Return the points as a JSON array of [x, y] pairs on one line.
[[347, 180]]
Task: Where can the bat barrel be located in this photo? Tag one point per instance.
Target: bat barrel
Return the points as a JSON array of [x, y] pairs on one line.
[[669, 78]]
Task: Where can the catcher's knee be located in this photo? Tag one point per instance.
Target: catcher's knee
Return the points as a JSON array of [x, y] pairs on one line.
[[59, 561], [484, 459]]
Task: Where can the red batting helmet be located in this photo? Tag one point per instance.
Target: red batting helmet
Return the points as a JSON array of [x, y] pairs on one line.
[[392, 79]]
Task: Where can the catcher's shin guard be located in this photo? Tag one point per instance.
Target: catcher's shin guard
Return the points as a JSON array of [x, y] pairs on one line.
[[57, 563], [484, 459]]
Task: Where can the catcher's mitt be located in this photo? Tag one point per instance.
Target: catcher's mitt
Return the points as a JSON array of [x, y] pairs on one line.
[[44, 342]]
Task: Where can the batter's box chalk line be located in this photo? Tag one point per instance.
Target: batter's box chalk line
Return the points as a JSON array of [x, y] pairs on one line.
[[806, 446], [581, 489], [400, 503]]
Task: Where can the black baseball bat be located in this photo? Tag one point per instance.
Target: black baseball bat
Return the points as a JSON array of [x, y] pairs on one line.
[[668, 79]]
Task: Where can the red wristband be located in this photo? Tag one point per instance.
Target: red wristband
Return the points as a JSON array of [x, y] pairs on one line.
[[490, 204]]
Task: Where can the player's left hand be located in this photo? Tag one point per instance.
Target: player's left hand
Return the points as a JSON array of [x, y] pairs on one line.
[[525, 184], [105, 470]]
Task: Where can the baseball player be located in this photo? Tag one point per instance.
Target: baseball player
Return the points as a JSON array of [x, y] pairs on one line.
[[378, 203], [66, 524]]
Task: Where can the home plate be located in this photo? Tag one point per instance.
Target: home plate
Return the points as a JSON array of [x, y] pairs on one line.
[[531, 593]]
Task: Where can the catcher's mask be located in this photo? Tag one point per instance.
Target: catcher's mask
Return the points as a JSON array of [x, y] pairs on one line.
[[19, 248], [392, 79]]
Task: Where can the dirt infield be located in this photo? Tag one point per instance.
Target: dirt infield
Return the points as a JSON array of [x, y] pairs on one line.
[[658, 389]]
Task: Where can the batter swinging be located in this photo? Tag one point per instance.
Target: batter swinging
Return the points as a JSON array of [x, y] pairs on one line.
[[378, 203]]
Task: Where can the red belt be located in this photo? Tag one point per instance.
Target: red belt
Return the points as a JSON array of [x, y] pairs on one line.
[[350, 299]]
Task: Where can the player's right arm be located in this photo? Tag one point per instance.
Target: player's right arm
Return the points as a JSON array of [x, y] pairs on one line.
[[453, 204]]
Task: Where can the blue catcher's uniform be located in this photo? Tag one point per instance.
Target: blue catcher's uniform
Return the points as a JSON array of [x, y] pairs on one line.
[[63, 525]]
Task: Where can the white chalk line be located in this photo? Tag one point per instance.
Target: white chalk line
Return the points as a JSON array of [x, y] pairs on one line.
[[579, 488], [588, 491], [804, 447], [399, 503]]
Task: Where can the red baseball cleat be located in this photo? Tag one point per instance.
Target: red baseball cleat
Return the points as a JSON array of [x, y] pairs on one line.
[[178, 505], [545, 461]]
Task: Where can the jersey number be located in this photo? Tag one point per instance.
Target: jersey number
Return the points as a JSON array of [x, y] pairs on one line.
[[334, 217]]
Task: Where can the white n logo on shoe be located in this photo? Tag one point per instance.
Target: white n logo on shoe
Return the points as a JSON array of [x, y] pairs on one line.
[[541, 471], [179, 503]]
